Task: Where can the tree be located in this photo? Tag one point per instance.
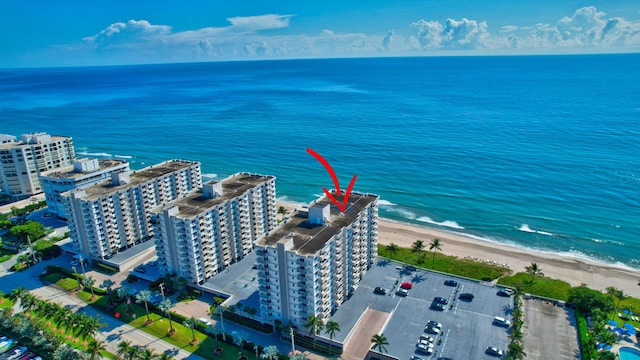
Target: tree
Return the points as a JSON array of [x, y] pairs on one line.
[[618, 294], [515, 351], [65, 352], [166, 307], [379, 342], [33, 229], [124, 292], [534, 270], [282, 211], [270, 352], [165, 356], [144, 297], [435, 246], [392, 249], [147, 354], [123, 348], [315, 325], [585, 300], [107, 284], [330, 328], [91, 325], [515, 335], [418, 248], [89, 282], [239, 338], [190, 323], [94, 348]]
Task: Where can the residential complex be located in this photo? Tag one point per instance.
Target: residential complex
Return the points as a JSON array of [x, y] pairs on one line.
[[22, 162], [199, 235], [312, 263], [83, 172], [114, 215]]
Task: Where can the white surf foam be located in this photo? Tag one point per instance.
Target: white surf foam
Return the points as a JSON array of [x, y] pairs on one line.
[[123, 156], [526, 228], [86, 153], [210, 176], [386, 203], [446, 223]]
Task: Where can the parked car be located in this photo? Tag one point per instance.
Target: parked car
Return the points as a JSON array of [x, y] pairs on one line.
[[413, 357], [380, 290], [466, 296], [451, 283], [437, 306], [426, 338], [434, 324], [402, 292], [427, 350], [440, 300], [410, 268], [494, 351], [432, 330], [6, 345], [205, 321], [406, 285], [500, 321], [17, 353], [505, 292]]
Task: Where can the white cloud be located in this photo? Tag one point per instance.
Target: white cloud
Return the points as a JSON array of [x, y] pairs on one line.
[[453, 34], [260, 22]]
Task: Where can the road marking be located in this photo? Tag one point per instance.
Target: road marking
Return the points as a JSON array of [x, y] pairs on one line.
[[444, 342]]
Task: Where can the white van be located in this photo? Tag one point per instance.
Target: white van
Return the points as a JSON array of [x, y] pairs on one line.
[[501, 321]]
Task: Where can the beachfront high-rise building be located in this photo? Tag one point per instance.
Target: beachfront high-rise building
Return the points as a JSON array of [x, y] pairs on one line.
[[113, 215], [199, 235], [315, 261], [22, 162], [83, 172]]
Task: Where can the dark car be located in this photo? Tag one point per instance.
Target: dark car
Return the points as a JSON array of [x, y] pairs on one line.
[[494, 351], [451, 283], [380, 290], [466, 296], [437, 306], [440, 300], [410, 268], [505, 292]]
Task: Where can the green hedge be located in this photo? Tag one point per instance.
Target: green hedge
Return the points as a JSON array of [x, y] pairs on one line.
[[541, 286], [582, 336]]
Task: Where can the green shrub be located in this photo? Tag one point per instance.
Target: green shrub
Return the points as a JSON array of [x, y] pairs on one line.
[[541, 286]]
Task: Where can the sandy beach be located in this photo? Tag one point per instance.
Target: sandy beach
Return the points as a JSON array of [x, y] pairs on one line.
[[576, 271]]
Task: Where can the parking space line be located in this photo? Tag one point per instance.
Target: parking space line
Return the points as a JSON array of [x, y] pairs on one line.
[[444, 342]]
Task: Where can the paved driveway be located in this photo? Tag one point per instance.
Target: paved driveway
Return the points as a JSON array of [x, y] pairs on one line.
[[550, 332]]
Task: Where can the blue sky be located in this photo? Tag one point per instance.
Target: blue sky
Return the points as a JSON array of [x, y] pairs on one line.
[[79, 33]]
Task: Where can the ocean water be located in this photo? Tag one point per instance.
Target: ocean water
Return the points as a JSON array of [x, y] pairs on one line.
[[535, 151]]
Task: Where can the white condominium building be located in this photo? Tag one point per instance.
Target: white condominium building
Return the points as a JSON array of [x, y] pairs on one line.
[[22, 162], [83, 172], [198, 236], [113, 215], [315, 261]]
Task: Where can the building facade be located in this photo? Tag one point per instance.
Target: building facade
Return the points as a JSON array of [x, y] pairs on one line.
[[201, 234], [114, 215], [22, 162], [311, 264], [83, 172]]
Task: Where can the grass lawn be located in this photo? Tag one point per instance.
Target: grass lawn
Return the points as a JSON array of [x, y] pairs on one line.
[[5, 254], [541, 286], [446, 263], [62, 280], [5, 303]]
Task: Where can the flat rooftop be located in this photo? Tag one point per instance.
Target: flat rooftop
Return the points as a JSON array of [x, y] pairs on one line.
[[138, 177], [18, 142], [308, 238], [69, 172], [196, 202]]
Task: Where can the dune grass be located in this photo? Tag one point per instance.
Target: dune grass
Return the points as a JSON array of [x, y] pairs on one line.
[[541, 286]]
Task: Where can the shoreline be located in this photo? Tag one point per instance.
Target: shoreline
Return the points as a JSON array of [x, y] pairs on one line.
[[575, 270]]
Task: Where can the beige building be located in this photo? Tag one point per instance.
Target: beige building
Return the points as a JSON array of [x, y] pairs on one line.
[[114, 215], [315, 261], [22, 162], [201, 234], [83, 172]]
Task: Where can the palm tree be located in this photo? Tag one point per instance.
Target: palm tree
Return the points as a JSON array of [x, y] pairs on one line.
[[134, 353], [91, 325], [89, 282], [392, 249], [282, 211], [435, 246], [190, 323], [379, 342], [534, 270], [418, 247], [147, 354], [123, 348], [144, 296], [221, 310], [270, 352], [94, 348], [107, 284], [166, 307], [239, 339], [515, 335], [616, 293], [65, 352], [515, 351], [315, 326], [330, 328], [123, 292], [165, 356]]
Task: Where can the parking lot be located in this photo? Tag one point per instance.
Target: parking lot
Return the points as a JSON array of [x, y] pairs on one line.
[[467, 326], [555, 335]]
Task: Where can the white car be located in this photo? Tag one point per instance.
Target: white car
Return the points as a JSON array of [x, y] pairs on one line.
[[432, 330], [205, 321], [426, 338], [500, 321], [427, 350], [425, 343]]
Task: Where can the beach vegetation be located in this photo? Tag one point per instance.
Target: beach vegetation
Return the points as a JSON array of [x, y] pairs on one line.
[[446, 263], [435, 246], [534, 270], [543, 286], [392, 249], [617, 294], [586, 300]]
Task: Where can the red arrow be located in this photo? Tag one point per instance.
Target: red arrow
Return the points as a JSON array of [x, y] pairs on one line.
[[342, 206]]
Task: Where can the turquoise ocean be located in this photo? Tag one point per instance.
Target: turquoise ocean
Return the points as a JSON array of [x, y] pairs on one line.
[[541, 152]]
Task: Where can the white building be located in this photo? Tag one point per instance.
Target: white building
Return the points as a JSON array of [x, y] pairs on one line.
[[83, 172], [113, 215], [312, 263], [199, 235], [22, 162]]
